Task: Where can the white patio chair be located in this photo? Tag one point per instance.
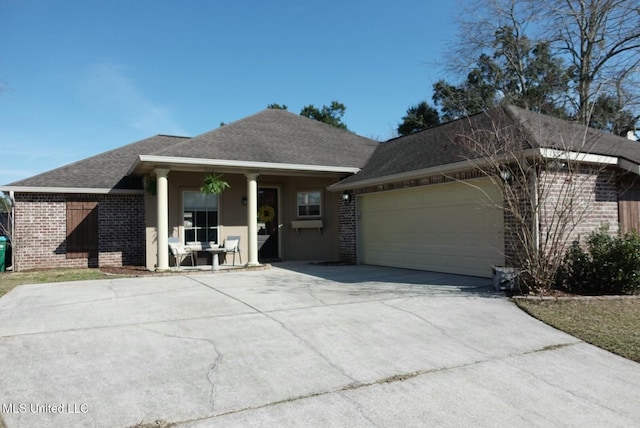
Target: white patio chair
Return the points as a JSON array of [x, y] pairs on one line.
[[232, 245], [179, 251]]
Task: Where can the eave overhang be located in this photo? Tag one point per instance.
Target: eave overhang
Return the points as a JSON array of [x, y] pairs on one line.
[[74, 190], [466, 165], [146, 164]]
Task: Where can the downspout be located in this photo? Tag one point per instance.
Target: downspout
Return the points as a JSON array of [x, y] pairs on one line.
[[535, 231], [536, 210], [12, 198]]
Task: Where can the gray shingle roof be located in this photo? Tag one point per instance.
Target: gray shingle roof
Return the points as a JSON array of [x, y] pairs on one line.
[[551, 132], [107, 170], [278, 136], [274, 136], [441, 145]]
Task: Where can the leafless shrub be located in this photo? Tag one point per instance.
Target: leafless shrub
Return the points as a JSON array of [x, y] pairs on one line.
[[549, 182]]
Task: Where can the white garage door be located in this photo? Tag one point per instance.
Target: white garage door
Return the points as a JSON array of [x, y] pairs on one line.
[[453, 227]]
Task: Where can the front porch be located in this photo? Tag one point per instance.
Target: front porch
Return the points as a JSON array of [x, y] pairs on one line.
[[263, 209]]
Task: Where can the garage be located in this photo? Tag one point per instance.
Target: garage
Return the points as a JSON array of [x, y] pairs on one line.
[[453, 227]]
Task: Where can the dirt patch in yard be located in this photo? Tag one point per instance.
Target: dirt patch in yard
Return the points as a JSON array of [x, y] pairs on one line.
[[127, 270]]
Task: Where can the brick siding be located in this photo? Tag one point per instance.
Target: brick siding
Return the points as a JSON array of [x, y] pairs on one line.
[[517, 215], [40, 231], [596, 200], [347, 229]]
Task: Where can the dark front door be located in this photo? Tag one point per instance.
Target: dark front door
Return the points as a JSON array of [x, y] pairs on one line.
[[268, 224]]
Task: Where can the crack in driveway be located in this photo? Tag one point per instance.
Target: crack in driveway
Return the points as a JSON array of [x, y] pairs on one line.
[[437, 327], [555, 386], [119, 326], [354, 386], [281, 387], [287, 329], [214, 366], [312, 294], [104, 299]]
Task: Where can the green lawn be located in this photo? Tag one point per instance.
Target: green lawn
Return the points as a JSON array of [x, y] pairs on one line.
[[612, 324]]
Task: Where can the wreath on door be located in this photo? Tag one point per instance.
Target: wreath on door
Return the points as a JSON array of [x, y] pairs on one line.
[[266, 214]]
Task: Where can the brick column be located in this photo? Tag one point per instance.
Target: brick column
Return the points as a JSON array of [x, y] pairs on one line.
[[347, 240]]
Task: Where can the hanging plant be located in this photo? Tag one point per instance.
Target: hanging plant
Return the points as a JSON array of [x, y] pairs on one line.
[[214, 184]]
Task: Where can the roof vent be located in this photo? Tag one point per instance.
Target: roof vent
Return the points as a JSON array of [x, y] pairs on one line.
[[631, 135]]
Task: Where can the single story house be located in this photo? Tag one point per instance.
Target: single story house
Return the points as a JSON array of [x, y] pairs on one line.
[[120, 207], [303, 190]]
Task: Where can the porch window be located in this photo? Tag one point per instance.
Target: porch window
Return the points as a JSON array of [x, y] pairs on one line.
[[309, 203], [200, 216]]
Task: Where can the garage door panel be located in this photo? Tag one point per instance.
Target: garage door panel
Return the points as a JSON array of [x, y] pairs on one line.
[[449, 228]]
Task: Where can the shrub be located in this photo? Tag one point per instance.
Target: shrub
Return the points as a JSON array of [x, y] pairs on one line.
[[608, 265]]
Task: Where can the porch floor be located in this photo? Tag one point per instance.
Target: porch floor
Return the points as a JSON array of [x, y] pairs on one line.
[[201, 268]]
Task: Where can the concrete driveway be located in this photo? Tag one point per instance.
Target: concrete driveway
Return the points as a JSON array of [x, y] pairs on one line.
[[298, 345]]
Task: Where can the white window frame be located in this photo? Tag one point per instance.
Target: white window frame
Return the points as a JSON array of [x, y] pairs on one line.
[[307, 204], [186, 228]]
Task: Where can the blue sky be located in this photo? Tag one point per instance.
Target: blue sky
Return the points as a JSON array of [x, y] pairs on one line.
[[82, 77]]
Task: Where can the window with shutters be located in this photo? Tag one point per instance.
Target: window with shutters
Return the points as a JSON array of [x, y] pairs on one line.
[[82, 229]]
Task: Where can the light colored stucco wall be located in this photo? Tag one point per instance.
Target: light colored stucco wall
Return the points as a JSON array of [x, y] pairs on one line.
[[310, 244], [307, 244]]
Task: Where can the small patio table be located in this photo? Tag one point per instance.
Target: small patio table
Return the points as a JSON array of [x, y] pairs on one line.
[[215, 264]]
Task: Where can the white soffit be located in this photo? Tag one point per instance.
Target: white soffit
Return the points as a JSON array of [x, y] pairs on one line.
[[578, 156], [245, 165]]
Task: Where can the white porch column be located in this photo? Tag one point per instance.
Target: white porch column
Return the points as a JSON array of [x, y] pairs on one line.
[[252, 218], [162, 190]]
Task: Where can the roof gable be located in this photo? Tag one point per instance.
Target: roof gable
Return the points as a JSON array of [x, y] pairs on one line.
[[551, 132], [279, 137], [269, 137]]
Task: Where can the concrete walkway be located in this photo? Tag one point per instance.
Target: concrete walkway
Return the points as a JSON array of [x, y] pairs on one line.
[[298, 345]]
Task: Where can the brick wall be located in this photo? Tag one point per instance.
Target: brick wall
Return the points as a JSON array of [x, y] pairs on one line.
[[594, 200], [347, 229], [121, 230], [518, 220], [40, 231]]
